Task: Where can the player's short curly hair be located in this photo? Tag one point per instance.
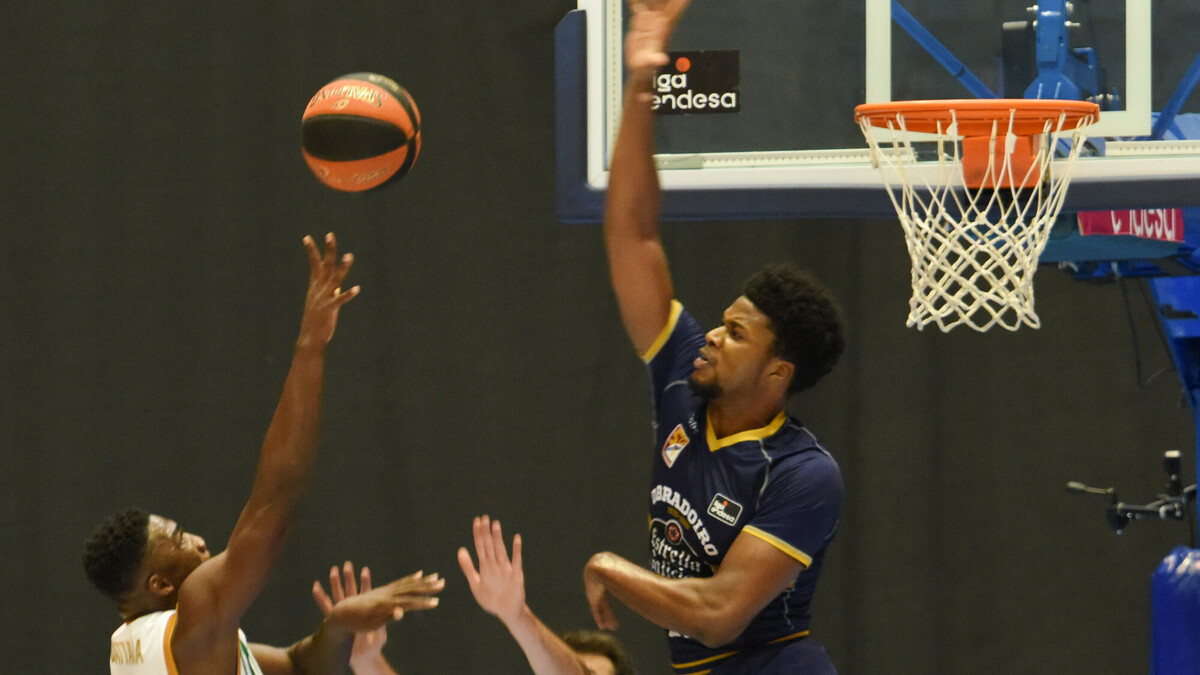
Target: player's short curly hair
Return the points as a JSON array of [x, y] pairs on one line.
[[604, 644], [806, 321], [114, 550]]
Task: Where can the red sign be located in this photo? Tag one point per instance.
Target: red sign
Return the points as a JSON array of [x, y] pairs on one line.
[[1160, 224]]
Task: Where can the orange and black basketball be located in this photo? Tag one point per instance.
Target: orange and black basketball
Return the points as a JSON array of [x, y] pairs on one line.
[[360, 132]]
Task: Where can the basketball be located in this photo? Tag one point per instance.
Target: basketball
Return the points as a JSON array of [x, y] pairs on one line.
[[360, 132]]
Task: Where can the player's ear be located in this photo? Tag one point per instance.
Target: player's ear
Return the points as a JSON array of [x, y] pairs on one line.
[[160, 585], [780, 370]]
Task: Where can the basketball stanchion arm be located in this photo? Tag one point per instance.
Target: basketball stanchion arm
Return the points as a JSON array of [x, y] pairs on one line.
[[1170, 506], [1166, 508]]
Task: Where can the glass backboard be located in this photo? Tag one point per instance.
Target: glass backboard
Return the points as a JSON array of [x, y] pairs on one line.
[[791, 147]]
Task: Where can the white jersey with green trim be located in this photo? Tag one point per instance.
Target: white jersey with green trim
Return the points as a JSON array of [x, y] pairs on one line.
[[143, 647]]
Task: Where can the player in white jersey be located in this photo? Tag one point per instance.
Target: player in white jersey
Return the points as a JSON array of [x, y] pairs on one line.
[[181, 604], [143, 647]]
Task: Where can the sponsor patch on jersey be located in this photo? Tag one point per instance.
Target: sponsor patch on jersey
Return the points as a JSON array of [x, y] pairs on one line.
[[724, 509], [675, 444]]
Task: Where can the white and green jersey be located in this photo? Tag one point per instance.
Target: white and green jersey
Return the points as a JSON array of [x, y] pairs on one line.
[[143, 647]]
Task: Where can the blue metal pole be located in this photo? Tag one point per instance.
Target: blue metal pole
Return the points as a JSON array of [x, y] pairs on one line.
[[1186, 85], [939, 52]]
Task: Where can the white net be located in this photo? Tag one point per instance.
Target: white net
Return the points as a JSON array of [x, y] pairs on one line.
[[974, 250]]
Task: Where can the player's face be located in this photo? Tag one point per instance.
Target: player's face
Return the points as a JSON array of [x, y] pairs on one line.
[[597, 664], [175, 552], [736, 354]]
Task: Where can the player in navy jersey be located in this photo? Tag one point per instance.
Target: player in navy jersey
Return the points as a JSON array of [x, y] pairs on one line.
[[743, 498]]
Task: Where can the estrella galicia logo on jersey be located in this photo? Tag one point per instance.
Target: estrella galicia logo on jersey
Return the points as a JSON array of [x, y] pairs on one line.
[[724, 509], [671, 555], [674, 533], [698, 82], [675, 444]]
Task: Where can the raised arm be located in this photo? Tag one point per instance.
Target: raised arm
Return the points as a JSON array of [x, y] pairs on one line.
[[218, 592], [713, 610], [637, 263], [499, 588]]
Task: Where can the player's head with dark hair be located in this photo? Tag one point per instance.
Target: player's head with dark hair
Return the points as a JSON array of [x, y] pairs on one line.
[[112, 554], [601, 644], [140, 560], [806, 322]]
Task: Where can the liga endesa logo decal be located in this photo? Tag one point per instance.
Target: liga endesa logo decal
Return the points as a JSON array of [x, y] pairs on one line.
[[698, 83]]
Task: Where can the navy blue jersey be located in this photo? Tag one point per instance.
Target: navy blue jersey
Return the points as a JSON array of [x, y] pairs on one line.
[[776, 483]]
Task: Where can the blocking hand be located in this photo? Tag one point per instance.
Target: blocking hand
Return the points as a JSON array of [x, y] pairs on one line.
[[499, 583]]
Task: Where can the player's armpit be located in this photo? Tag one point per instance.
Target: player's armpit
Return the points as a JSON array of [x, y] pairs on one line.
[[272, 660]]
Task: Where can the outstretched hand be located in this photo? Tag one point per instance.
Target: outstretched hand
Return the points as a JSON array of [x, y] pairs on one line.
[[371, 608], [651, 23], [499, 583], [325, 295], [367, 644]]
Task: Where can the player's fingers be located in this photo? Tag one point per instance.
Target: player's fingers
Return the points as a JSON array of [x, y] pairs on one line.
[[606, 620], [418, 602], [339, 273], [342, 298], [429, 584], [468, 567], [596, 616], [425, 584], [516, 556], [498, 547], [348, 581], [483, 542], [322, 598], [314, 256], [335, 585], [330, 249]]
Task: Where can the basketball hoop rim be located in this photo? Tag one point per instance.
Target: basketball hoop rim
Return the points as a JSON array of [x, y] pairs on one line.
[[976, 117]]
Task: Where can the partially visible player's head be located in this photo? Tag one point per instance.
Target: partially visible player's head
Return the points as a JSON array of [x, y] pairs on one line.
[[112, 554], [804, 318], [600, 652], [139, 560]]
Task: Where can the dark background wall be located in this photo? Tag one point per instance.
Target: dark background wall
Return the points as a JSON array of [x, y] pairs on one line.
[[150, 289]]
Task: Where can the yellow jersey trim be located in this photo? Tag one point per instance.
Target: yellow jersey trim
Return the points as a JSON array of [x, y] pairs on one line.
[[715, 443], [780, 544], [785, 638], [701, 662], [168, 655], [676, 310]]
